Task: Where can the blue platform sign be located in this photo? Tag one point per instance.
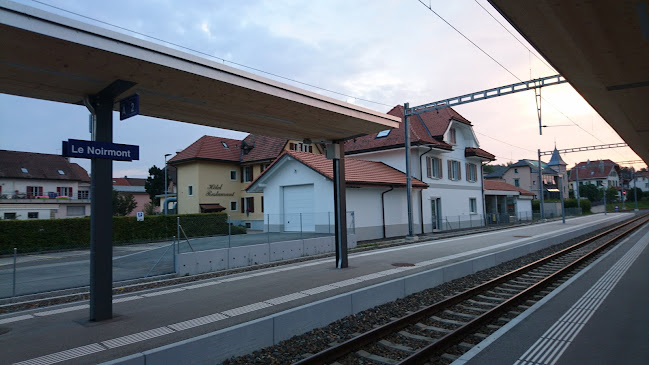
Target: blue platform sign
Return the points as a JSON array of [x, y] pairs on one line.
[[129, 107], [93, 149]]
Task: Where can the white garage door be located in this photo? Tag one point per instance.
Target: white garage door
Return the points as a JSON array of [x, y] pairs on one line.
[[298, 208]]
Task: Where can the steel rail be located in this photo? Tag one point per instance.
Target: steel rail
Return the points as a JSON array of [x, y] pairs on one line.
[[336, 352], [423, 355]]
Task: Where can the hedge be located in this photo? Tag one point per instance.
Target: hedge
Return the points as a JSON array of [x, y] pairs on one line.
[[567, 203], [59, 234]]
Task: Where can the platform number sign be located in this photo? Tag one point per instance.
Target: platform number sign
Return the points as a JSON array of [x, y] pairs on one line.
[[129, 107]]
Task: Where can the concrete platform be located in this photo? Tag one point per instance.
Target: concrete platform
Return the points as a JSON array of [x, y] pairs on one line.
[[598, 317], [211, 320]]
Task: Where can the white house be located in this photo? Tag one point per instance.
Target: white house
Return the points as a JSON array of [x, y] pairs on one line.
[[445, 155], [298, 195], [640, 181], [42, 186]]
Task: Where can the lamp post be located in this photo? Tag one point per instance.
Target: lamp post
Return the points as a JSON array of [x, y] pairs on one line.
[[166, 204]]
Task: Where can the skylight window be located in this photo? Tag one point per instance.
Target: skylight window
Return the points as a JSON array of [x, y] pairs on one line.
[[384, 133], [225, 145], [24, 170], [61, 172]]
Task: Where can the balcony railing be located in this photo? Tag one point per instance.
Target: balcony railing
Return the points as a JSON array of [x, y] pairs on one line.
[[49, 197]]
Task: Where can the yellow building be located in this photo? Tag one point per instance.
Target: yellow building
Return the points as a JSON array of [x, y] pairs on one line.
[[213, 173]]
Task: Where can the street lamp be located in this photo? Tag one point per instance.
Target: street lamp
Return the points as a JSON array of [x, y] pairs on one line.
[[166, 204]]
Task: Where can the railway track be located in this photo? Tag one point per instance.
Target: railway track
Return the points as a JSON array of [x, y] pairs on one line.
[[439, 333]]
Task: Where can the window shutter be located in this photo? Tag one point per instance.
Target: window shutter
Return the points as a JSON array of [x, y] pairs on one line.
[[429, 171], [450, 171], [252, 173], [310, 150], [242, 172], [262, 204], [439, 167], [70, 192], [251, 203], [58, 191], [243, 203], [466, 166], [459, 171]]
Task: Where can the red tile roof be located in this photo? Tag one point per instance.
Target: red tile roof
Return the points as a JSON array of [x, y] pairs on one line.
[[501, 185], [263, 148], [39, 166], [425, 128], [260, 148], [128, 181], [210, 148], [599, 169], [357, 172], [478, 152]]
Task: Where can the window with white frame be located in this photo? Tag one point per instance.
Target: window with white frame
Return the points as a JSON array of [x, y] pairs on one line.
[[471, 172], [454, 170], [247, 173], [64, 191], [473, 205], [190, 190], [434, 167], [452, 136], [34, 191], [233, 175]]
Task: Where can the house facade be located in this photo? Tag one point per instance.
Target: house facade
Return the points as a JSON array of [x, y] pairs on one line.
[[505, 202], [641, 181], [135, 187], [213, 172], [298, 190], [525, 174], [601, 173], [42, 186], [445, 155]]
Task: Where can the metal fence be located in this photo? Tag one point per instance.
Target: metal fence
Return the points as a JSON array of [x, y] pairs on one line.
[[276, 228]]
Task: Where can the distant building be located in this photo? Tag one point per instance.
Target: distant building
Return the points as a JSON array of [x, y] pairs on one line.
[[525, 174], [601, 173], [42, 186], [504, 201], [135, 187], [641, 181]]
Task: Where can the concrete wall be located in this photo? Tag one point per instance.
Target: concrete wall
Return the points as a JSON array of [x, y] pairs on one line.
[[192, 263]]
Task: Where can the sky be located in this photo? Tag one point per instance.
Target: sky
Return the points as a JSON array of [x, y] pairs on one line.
[[373, 53]]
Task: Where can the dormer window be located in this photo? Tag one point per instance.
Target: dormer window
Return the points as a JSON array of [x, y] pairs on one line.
[[225, 145], [24, 170], [384, 133], [452, 136], [61, 172]]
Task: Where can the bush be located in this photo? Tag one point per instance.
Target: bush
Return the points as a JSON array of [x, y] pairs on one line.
[[58, 234]]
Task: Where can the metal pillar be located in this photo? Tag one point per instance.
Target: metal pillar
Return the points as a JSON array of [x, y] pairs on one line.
[[406, 127], [563, 208], [101, 204], [340, 206], [577, 189], [541, 185], [166, 184], [635, 192]]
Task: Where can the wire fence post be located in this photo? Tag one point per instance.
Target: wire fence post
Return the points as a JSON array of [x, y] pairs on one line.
[[229, 231], [13, 292], [268, 231], [174, 253], [178, 233]]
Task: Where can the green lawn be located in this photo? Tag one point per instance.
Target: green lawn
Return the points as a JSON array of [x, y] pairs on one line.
[[628, 205]]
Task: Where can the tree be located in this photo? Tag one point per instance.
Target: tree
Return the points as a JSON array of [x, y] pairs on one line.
[[149, 209], [611, 194], [488, 169], [590, 192], [155, 184], [123, 204]]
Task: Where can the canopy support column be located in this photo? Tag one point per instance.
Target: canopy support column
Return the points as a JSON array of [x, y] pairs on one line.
[[336, 151], [101, 203]]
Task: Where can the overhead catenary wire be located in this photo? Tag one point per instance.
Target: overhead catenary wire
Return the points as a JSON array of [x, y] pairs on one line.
[[223, 60], [429, 7]]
